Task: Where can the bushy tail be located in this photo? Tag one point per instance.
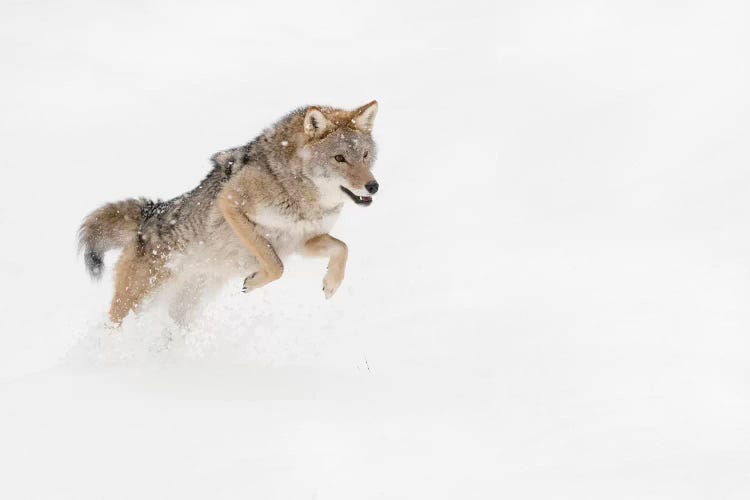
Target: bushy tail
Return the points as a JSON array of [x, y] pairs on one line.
[[115, 225]]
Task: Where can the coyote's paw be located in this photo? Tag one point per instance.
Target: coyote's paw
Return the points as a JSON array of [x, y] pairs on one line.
[[261, 278], [331, 283], [253, 281]]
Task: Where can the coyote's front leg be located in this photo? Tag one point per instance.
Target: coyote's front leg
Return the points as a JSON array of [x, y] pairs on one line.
[[326, 245], [271, 267]]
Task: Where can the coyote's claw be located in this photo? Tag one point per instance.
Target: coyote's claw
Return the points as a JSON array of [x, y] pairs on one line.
[[251, 283]]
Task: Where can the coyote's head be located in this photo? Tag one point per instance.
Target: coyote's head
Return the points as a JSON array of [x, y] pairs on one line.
[[339, 152]]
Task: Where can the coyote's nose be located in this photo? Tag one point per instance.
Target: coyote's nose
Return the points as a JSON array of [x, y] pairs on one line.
[[372, 187]]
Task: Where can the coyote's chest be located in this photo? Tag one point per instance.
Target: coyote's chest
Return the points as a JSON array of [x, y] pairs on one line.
[[288, 232]]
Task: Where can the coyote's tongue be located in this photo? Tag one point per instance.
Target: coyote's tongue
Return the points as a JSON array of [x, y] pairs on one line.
[[359, 200]]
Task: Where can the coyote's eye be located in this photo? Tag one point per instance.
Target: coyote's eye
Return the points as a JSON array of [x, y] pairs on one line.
[[366, 153], [340, 158]]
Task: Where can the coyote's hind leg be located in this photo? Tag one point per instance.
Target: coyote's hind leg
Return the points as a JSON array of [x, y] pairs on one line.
[[190, 298], [137, 275]]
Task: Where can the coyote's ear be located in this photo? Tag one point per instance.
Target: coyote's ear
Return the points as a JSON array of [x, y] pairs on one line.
[[364, 117], [316, 124]]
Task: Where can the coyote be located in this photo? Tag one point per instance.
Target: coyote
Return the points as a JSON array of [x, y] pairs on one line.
[[278, 195]]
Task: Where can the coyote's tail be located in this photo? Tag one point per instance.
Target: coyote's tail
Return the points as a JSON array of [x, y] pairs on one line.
[[113, 225]]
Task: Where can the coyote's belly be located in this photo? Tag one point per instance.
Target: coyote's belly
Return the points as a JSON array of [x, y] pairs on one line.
[[287, 234], [220, 254]]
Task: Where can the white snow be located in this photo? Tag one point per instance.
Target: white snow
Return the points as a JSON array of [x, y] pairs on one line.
[[548, 297]]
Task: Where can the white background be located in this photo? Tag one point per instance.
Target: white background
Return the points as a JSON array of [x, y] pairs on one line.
[[548, 298]]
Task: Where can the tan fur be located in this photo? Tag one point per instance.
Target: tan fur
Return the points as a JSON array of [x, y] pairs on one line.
[[136, 276], [326, 245], [118, 221]]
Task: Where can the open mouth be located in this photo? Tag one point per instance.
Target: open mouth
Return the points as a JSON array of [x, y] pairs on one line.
[[359, 200]]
